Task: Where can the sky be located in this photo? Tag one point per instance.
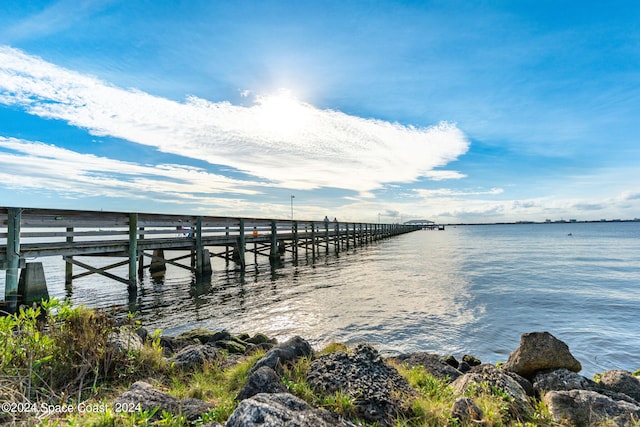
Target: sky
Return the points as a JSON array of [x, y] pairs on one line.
[[452, 111]]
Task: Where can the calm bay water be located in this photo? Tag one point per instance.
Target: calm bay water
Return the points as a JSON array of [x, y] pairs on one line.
[[469, 289]]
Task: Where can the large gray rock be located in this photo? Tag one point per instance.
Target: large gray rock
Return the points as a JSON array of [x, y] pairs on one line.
[[432, 363], [621, 381], [379, 392], [489, 379], [195, 355], [172, 345], [285, 353], [540, 351], [282, 409], [124, 339], [560, 380], [263, 380], [466, 411], [588, 408], [147, 398]]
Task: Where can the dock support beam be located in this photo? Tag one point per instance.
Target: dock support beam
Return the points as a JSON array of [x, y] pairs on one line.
[[68, 267], [13, 259], [241, 246], [158, 267], [326, 237], [133, 250], [199, 248], [274, 254], [295, 242], [313, 242], [32, 286]]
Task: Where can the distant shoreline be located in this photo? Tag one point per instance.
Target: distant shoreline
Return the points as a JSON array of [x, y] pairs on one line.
[[597, 221]]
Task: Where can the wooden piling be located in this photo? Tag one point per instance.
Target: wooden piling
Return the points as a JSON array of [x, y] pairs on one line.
[[133, 250], [157, 267], [68, 266], [13, 259], [199, 248], [274, 256], [241, 244], [32, 287]]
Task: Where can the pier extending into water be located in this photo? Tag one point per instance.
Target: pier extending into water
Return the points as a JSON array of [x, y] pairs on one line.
[[140, 240]]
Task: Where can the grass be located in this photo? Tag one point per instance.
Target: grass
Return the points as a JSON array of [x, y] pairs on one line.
[[64, 358]]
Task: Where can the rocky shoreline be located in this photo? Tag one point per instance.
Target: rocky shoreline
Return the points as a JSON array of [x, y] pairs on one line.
[[541, 369]]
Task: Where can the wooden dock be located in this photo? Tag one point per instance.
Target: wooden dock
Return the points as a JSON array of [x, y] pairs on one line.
[[27, 234]]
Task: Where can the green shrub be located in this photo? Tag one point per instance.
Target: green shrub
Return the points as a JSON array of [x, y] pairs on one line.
[[59, 353]]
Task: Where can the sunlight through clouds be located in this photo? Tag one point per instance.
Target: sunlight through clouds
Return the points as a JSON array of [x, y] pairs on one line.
[[280, 139]]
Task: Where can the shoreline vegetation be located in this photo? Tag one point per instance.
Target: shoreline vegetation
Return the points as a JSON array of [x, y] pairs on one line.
[[63, 365]]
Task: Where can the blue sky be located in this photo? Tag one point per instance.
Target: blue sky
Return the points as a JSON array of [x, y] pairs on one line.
[[475, 111]]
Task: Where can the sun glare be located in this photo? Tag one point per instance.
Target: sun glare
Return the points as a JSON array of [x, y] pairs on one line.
[[281, 114]]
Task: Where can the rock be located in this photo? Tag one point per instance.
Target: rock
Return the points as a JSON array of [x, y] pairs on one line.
[[124, 339], [471, 360], [232, 346], [286, 353], [194, 356], [243, 337], [378, 391], [204, 335], [171, 345], [432, 363], [491, 380], [560, 380], [621, 382], [466, 411], [263, 380], [261, 339], [587, 408], [464, 367], [193, 408], [142, 333], [524, 383], [143, 395], [540, 351], [451, 360], [282, 409]]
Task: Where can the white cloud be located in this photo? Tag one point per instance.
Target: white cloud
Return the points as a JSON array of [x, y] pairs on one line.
[[280, 139], [446, 192], [74, 174], [439, 175]]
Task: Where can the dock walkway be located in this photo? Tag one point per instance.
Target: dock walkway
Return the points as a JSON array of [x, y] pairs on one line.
[[27, 233]]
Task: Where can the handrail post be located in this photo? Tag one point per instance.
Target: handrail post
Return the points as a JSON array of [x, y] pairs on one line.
[[13, 259], [294, 225], [199, 248], [273, 254], [326, 237], [346, 236], [241, 245], [133, 250], [141, 255], [68, 267], [355, 236], [313, 242]]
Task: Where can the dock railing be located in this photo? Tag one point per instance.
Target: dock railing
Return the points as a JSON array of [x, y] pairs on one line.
[[27, 233]]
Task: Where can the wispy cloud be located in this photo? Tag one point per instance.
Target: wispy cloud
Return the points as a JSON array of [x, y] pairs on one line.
[[58, 16], [290, 143], [32, 165], [447, 192]]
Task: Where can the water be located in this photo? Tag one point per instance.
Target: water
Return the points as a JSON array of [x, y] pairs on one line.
[[469, 289]]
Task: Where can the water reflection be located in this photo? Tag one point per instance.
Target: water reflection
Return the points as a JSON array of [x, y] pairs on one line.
[[468, 289]]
